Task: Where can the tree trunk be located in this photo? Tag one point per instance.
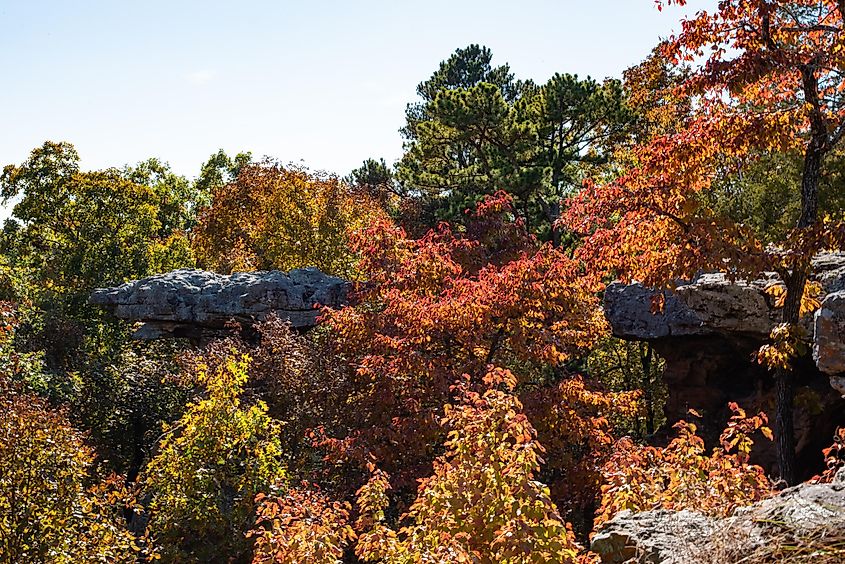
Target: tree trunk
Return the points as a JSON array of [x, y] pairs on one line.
[[795, 281], [785, 385], [648, 387], [554, 215]]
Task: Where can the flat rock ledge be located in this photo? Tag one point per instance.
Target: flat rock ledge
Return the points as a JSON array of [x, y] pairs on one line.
[[804, 520], [197, 303], [712, 305]]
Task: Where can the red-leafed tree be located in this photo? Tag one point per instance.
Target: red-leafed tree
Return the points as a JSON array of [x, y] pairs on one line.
[[458, 302], [764, 76]]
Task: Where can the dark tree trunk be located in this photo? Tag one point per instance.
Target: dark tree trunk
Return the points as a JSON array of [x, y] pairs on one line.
[[795, 281], [785, 385], [554, 215]]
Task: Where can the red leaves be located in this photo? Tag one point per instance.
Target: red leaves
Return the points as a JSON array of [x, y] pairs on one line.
[[682, 475], [747, 96]]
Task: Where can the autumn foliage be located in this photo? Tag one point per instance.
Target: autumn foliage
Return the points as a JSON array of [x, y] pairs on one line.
[[683, 476], [208, 468], [482, 502], [468, 403], [444, 305], [50, 509], [277, 217], [302, 525]]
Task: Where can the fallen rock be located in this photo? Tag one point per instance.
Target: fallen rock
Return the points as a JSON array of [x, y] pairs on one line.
[[196, 303], [808, 516]]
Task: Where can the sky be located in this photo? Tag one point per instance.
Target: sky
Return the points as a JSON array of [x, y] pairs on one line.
[[320, 82]]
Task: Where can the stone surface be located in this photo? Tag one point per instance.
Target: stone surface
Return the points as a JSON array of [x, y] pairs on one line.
[[651, 536], [829, 335], [675, 537], [829, 270], [709, 332], [710, 304], [191, 303]]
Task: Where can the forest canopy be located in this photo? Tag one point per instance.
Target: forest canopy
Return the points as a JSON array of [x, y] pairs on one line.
[[469, 403]]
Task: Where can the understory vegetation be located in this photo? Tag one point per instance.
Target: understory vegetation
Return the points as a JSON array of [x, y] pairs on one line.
[[470, 403]]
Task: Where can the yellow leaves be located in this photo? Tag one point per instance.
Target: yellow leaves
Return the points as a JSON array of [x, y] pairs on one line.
[[787, 342], [48, 512], [778, 292], [810, 301], [273, 217], [216, 448]]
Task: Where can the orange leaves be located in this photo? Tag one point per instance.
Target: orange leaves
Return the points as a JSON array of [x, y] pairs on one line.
[[834, 458], [301, 526], [681, 475], [737, 434], [481, 502], [48, 512], [460, 314], [282, 217], [810, 301], [748, 95]]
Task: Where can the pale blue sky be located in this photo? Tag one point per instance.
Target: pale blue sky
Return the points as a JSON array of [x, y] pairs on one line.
[[325, 82]]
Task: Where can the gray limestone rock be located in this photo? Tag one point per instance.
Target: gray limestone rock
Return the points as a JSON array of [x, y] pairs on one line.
[[192, 302], [712, 304], [807, 511]]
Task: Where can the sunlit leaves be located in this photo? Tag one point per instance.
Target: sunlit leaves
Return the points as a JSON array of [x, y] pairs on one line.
[[683, 476], [209, 467], [449, 303], [47, 512], [482, 503], [303, 525], [787, 342], [275, 217]]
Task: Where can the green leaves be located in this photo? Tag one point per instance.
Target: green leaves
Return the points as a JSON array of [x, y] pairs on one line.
[[478, 131], [79, 230], [209, 467]]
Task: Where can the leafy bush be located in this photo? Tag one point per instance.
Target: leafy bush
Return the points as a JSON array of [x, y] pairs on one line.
[[683, 476], [209, 467], [47, 510]]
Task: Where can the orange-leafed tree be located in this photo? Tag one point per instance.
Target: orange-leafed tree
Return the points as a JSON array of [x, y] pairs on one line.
[[682, 475], [277, 217], [764, 76], [483, 502], [457, 302]]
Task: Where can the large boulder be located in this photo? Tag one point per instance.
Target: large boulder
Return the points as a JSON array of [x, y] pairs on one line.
[[708, 332], [711, 304], [708, 305], [808, 517], [197, 303]]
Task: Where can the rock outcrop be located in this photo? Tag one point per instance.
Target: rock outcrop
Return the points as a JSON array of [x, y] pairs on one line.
[[712, 304], [197, 304], [807, 517], [829, 335], [709, 332]]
